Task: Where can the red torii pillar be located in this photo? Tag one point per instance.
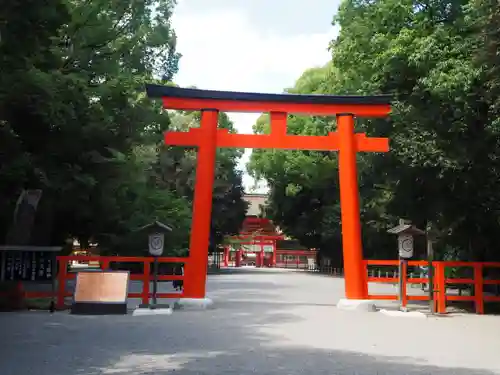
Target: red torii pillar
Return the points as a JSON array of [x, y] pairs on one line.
[[207, 138], [261, 255], [237, 260], [226, 256], [273, 259]]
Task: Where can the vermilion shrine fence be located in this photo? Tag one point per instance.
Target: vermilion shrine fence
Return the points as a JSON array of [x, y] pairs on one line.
[[441, 282], [145, 276], [208, 138]]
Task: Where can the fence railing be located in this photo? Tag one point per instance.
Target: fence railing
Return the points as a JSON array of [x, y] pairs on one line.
[[145, 276], [377, 271], [442, 282], [65, 273], [293, 265], [327, 270], [386, 272]]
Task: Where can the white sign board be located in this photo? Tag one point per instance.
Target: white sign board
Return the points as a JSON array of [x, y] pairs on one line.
[[405, 244], [156, 241]]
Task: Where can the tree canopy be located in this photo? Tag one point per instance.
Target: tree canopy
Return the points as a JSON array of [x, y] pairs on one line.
[[75, 123], [440, 61]]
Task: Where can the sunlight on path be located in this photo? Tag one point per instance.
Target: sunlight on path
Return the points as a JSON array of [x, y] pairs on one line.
[[266, 322]]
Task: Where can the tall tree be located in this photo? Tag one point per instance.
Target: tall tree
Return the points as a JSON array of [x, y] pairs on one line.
[[73, 112], [177, 169], [439, 61]]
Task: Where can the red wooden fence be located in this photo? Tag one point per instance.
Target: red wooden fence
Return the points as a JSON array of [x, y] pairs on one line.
[[145, 276], [441, 282]]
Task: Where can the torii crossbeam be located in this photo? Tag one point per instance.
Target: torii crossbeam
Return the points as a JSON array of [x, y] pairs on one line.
[[208, 137]]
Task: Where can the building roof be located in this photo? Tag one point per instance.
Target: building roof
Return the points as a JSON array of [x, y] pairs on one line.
[[259, 226], [155, 225], [406, 228], [160, 91], [256, 202]]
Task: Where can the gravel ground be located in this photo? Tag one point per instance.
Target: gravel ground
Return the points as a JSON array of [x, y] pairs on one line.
[[266, 322]]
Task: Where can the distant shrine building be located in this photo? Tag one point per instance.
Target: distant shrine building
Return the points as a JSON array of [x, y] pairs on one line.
[[260, 243]]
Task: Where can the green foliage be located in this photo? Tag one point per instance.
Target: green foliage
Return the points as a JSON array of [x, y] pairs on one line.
[[439, 61], [75, 122], [177, 170]]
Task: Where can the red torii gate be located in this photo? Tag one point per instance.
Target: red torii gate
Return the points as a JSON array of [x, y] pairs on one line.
[[256, 237], [207, 138]]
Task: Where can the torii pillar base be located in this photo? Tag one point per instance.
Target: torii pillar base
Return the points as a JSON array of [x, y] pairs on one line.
[[363, 305], [194, 304]]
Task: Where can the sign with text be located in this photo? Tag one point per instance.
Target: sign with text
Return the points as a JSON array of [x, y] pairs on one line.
[[156, 241], [101, 287], [28, 263]]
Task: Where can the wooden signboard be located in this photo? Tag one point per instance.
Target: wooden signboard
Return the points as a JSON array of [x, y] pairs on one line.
[[28, 263], [27, 266], [100, 293]]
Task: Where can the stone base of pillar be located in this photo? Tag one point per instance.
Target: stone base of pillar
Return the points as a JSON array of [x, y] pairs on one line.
[[193, 304], [357, 305], [146, 309]]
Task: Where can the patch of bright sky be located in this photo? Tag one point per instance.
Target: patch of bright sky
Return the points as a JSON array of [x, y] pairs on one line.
[[251, 45]]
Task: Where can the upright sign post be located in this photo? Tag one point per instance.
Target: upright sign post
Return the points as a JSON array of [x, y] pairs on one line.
[[405, 248], [431, 237], [405, 232], [156, 241]]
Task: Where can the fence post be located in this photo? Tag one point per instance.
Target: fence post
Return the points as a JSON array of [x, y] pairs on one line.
[[404, 297], [145, 281], [441, 287], [365, 274], [105, 263], [478, 288], [61, 281]]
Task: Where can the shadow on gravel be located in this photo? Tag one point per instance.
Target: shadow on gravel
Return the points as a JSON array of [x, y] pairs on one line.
[[85, 345], [227, 340]]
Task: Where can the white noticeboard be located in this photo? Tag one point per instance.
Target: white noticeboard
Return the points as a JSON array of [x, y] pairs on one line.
[[405, 244], [156, 241]]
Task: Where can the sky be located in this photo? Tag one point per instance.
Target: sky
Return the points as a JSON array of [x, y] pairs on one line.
[[252, 46]]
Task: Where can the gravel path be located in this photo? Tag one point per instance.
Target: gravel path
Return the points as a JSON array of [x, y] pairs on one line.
[[266, 322]]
